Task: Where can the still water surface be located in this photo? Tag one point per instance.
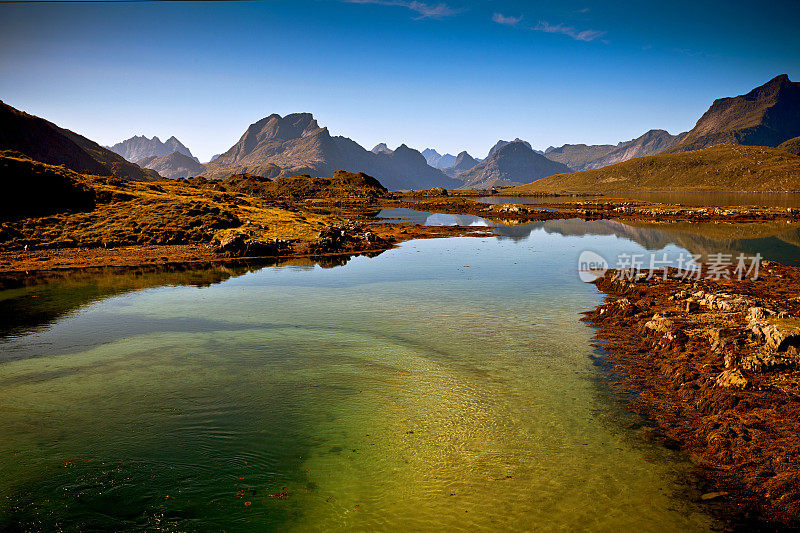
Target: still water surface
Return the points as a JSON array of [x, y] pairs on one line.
[[444, 385]]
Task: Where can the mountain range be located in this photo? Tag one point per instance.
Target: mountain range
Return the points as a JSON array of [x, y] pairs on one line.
[[381, 148], [511, 163], [501, 143], [278, 146], [173, 166], [587, 157], [746, 143], [138, 147], [46, 142], [766, 116], [437, 160], [464, 162]]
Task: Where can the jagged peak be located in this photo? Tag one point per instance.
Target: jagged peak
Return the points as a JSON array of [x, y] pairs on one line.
[[780, 79]]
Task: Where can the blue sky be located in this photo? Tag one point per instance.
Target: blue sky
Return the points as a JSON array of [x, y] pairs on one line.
[[452, 75]]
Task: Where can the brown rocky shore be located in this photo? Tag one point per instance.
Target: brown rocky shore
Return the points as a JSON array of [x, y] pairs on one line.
[[716, 366]]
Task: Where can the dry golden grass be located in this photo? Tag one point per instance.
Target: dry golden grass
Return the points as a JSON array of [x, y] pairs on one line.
[[719, 168], [163, 212]]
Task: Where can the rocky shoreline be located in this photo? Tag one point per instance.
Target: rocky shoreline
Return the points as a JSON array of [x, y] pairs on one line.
[[716, 366], [26, 267], [715, 362]]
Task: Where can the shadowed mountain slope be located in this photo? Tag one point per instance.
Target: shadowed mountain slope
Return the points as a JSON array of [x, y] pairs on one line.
[[294, 145], [44, 141], [464, 162], [510, 164], [651, 143], [173, 166], [766, 116], [576, 156], [138, 147]]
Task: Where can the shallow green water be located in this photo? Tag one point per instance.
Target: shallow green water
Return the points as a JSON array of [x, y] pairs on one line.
[[444, 385]]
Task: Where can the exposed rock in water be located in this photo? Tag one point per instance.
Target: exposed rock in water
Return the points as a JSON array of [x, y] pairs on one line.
[[718, 369]]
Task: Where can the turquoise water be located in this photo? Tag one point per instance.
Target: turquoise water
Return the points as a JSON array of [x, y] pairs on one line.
[[444, 385]]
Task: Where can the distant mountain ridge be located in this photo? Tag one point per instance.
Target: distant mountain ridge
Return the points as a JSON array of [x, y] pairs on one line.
[[575, 156], [464, 162], [501, 143], [173, 166], [46, 142], [586, 157], [511, 163], [138, 147], [436, 160], [650, 143], [381, 148], [766, 116], [278, 146]]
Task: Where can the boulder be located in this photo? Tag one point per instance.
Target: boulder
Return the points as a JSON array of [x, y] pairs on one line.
[[731, 378]]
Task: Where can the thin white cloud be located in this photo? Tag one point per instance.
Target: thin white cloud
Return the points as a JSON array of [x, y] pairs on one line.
[[507, 21], [578, 35], [424, 9]]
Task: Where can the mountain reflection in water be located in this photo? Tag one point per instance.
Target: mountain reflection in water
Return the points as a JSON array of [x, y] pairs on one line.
[[777, 241]]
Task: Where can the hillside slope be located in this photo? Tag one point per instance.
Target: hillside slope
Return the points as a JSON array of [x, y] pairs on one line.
[[138, 147], [295, 144], [719, 168], [576, 156], [766, 116], [341, 185], [792, 146], [46, 142], [650, 143], [510, 164], [464, 162], [31, 188], [173, 166]]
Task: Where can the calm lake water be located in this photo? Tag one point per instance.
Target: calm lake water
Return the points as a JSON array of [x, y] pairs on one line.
[[448, 384]]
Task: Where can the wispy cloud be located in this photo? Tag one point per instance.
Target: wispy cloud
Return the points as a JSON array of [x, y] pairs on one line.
[[508, 21], [578, 35], [423, 9]]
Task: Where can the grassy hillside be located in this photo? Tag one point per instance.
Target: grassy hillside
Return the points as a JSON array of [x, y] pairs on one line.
[[31, 188], [109, 212], [342, 185], [44, 141], [719, 168], [792, 146]]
